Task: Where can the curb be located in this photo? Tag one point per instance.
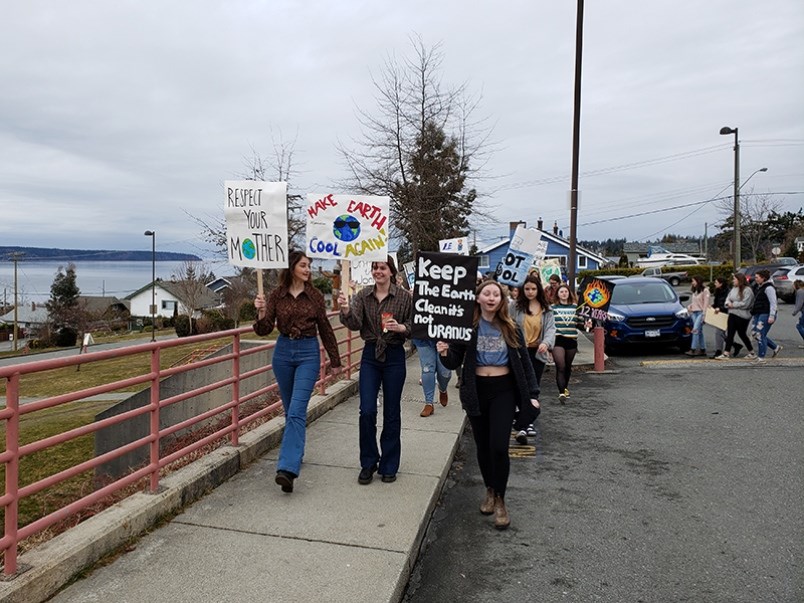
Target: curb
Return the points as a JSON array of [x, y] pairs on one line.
[[49, 567]]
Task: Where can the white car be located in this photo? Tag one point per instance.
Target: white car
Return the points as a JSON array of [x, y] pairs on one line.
[[783, 281]]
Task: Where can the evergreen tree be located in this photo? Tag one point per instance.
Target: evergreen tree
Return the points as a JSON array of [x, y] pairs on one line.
[[62, 306]]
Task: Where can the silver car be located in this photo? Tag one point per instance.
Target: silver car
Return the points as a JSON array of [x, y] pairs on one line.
[[783, 280]]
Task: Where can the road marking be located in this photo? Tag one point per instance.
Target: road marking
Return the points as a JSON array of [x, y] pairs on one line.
[[517, 451]]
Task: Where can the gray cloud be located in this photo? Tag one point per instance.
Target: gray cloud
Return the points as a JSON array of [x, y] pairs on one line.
[[119, 117]]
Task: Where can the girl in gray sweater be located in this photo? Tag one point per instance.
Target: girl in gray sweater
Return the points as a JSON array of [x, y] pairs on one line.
[[739, 302]]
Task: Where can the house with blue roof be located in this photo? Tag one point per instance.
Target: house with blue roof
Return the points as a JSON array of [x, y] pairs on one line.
[[557, 248]]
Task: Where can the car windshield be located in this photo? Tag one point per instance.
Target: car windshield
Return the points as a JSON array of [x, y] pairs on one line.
[[642, 293]]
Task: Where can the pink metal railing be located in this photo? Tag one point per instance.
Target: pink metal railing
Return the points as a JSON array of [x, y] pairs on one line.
[[13, 533]]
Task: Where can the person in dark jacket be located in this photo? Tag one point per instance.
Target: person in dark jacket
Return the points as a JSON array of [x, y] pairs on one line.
[[764, 313], [719, 296], [496, 378]]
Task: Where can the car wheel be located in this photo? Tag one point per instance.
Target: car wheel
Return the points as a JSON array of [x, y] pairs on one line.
[[675, 282]]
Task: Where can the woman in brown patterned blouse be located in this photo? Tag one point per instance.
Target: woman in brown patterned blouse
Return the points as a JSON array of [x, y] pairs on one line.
[[299, 311]]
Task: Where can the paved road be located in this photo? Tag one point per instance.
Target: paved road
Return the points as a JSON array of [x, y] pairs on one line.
[[675, 481]]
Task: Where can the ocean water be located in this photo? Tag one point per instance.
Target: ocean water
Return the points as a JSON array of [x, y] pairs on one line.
[[117, 279]]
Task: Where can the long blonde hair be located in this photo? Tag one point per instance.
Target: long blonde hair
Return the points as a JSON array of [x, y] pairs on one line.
[[501, 320]]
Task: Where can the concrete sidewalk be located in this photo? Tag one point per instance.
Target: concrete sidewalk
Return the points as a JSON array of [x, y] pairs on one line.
[[330, 540]]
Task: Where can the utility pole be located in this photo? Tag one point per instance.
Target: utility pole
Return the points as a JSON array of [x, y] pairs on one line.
[[576, 148], [16, 257]]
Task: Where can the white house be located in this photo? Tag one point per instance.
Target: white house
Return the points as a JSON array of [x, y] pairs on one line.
[[168, 296]]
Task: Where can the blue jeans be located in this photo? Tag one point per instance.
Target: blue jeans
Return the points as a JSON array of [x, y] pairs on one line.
[[760, 329], [698, 339], [390, 375], [296, 366], [432, 369], [800, 324]]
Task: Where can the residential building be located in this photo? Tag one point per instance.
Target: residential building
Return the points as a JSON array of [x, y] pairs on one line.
[[557, 248], [169, 296]]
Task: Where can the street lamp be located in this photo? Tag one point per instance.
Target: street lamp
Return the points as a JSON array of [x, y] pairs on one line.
[[152, 234], [752, 175], [725, 131]]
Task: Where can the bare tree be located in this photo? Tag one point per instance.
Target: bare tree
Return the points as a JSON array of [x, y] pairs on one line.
[[191, 279], [279, 168], [422, 147], [755, 209]]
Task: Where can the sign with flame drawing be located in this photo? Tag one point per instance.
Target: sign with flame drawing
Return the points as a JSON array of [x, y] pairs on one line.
[[595, 298]]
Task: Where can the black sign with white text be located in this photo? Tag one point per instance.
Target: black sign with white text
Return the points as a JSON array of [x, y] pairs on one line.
[[444, 296]]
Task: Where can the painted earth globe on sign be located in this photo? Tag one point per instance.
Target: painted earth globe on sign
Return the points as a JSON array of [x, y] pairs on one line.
[[346, 228], [248, 249]]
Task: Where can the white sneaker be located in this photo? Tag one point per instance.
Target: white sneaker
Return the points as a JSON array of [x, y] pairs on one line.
[[750, 356], [521, 437], [759, 360], [776, 351], [562, 397]]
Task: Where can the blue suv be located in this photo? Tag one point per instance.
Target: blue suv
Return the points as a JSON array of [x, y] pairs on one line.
[[646, 310]]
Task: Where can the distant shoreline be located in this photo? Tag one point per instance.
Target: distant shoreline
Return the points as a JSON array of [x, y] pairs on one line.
[[33, 254]]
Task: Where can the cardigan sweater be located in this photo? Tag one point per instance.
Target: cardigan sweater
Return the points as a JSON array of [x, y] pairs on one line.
[[548, 329], [518, 361]]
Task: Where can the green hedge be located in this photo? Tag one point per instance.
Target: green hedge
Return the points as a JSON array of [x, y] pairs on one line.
[[708, 273]]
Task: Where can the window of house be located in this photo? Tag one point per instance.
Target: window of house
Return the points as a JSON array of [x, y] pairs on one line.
[[582, 261], [168, 305], [562, 259], [484, 261]]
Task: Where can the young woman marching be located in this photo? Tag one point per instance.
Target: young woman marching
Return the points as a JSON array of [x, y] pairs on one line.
[[496, 377], [739, 302], [697, 307], [719, 296], [531, 312], [382, 314], [299, 311], [566, 345]]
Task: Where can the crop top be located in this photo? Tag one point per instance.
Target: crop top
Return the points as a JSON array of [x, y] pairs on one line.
[[491, 348]]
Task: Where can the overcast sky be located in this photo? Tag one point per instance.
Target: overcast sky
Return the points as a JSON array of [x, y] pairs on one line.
[[117, 117]]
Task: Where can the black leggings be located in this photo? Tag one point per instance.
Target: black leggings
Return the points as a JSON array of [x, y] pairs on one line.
[[492, 429], [738, 325], [538, 365], [563, 355]]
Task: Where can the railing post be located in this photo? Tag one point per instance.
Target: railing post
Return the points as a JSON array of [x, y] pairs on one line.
[[154, 416], [600, 354], [12, 474], [235, 437]]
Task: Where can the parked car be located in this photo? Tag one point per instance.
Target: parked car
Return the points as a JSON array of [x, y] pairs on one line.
[[750, 271], [646, 310], [668, 259], [784, 279], [674, 278]]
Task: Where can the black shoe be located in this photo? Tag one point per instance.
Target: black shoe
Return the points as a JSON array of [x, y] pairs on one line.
[[366, 474], [285, 479], [389, 478], [737, 348]]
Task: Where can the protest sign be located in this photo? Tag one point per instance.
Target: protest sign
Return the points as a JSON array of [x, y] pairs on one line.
[[256, 216], [514, 267], [444, 296], [595, 298], [548, 268], [459, 245], [410, 273], [347, 227]]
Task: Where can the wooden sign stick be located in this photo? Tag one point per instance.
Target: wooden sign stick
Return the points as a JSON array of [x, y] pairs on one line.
[[259, 281], [346, 277]]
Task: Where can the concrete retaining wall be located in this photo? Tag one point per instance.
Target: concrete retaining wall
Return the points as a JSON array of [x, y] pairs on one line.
[[115, 436]]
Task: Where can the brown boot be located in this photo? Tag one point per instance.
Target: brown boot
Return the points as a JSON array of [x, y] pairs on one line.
[[428, 410], [501, 519], [487, 506]]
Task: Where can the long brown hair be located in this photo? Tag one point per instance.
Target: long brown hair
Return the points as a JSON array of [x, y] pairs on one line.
[[742, 283], [286, 276], [523, 303], [502, 320], [572, 299]]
